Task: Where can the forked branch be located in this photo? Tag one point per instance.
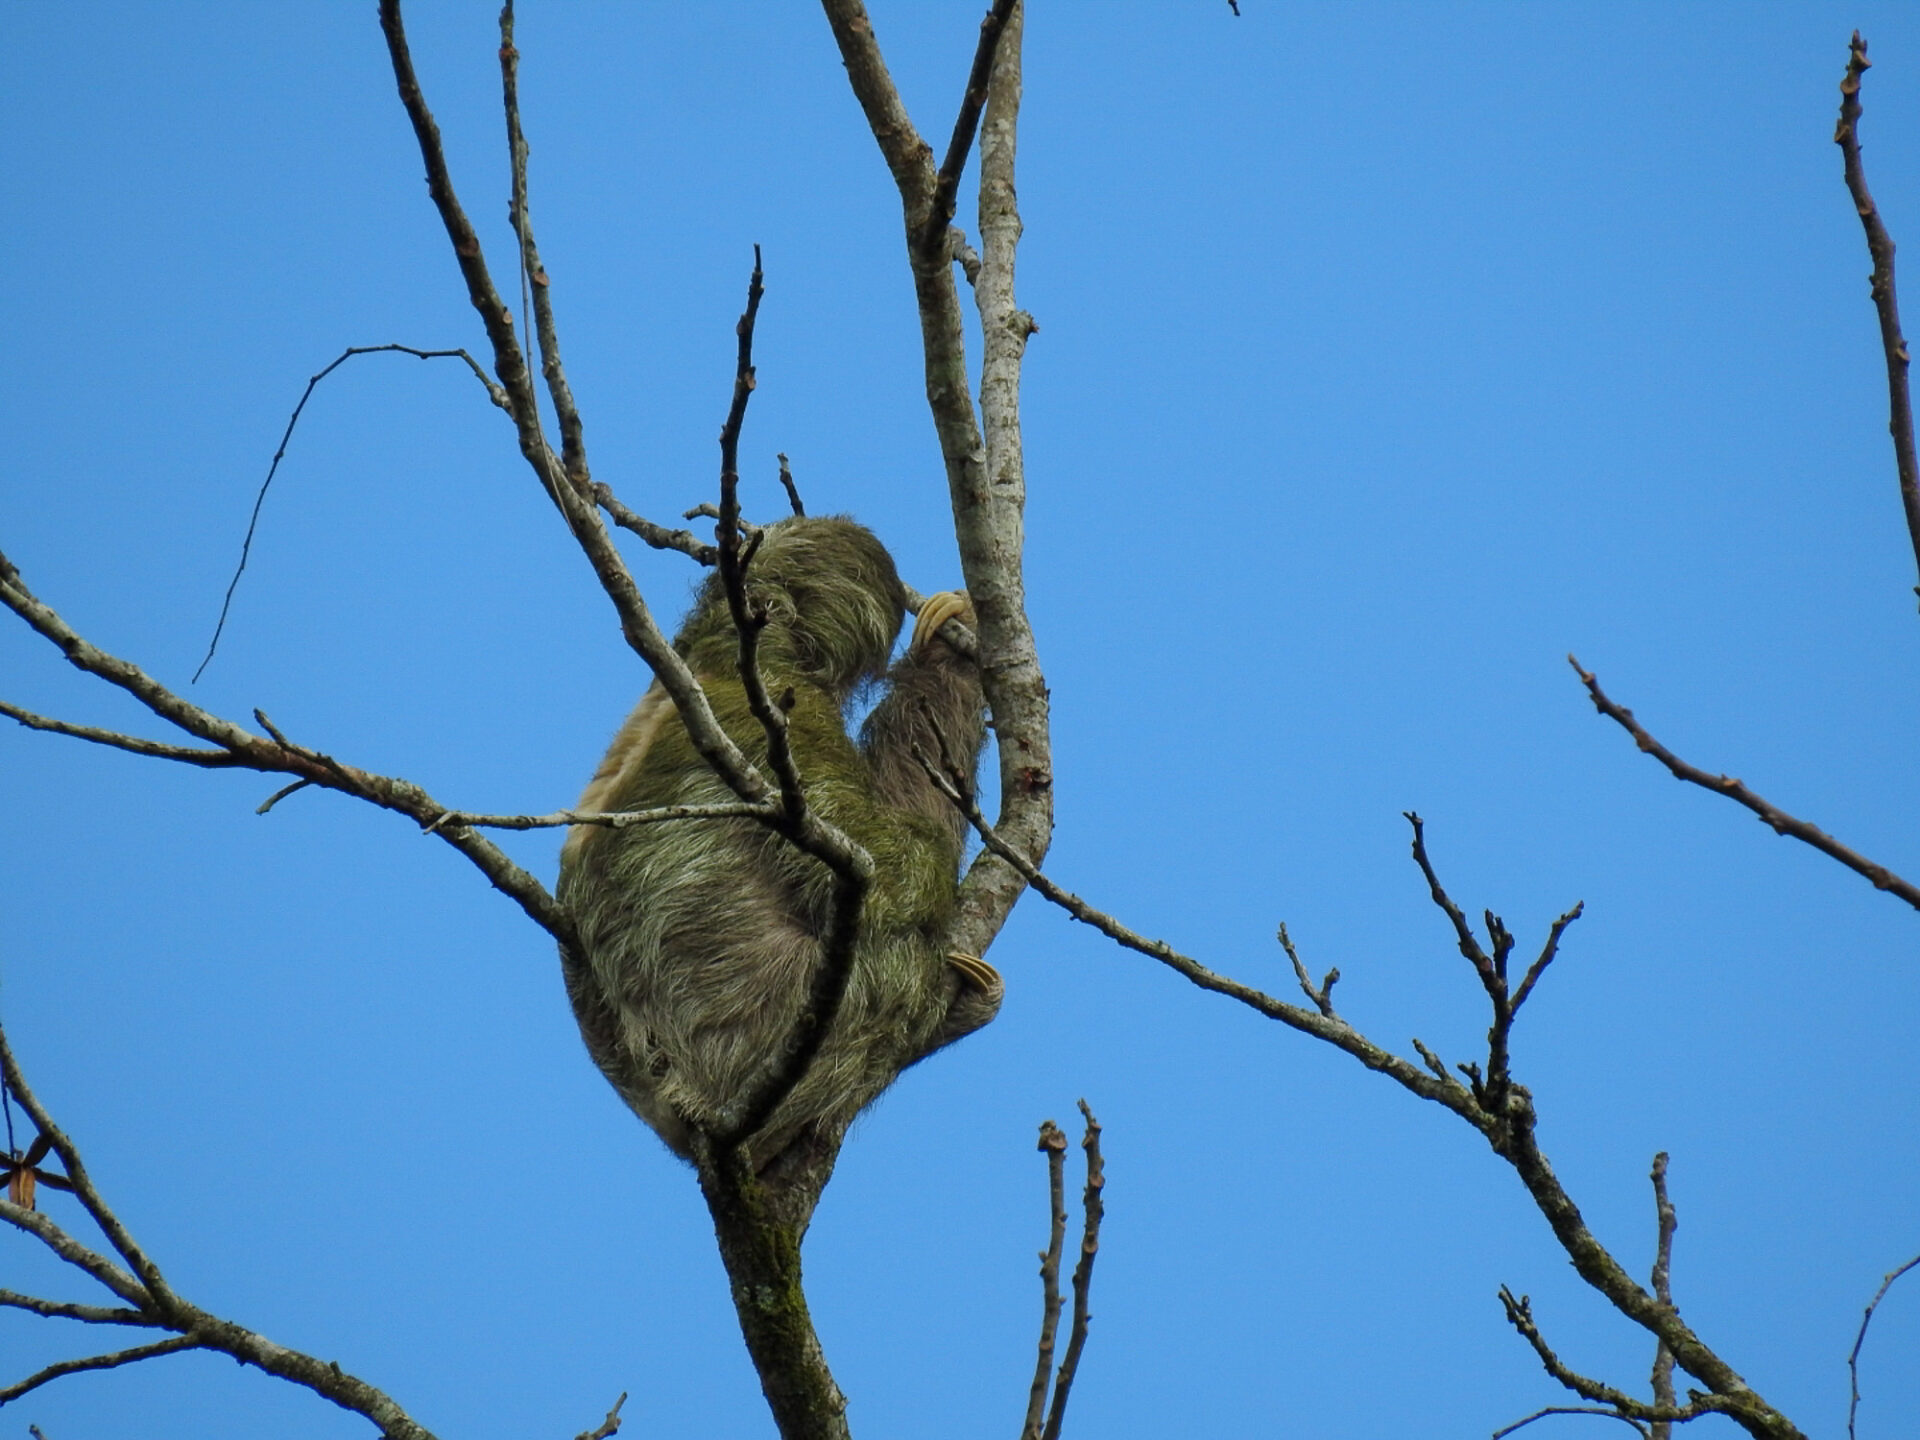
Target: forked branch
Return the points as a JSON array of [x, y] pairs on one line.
[[986, 478], [150, 1301], [1492, 1102]]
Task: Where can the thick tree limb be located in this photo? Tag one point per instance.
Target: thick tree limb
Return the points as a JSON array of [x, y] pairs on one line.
[[1772, 815], [985, 481]]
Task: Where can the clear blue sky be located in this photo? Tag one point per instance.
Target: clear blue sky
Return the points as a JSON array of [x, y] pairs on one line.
[[1388, 353]]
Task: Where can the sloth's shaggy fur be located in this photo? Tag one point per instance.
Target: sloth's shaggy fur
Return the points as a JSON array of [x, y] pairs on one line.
[[700, 937]]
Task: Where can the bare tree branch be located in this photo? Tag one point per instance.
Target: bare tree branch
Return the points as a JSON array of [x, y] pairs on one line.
[[133, 744], [1501, 1110], [1853, 1356], [1846, 135], [658, 536], [852, 867], [578, 497], [985, 480], [946, 187], [273, 755], [155, 1304], [573, 449], [1777, 819], [1623, 1406], [1443, 1090], [1093, 1210], [157, 1293], [1053, 1144], [97, 1362], [65, 1310], [494, 393], [1545, 1411], [611, 819], [1666, 1222], [786, 483]]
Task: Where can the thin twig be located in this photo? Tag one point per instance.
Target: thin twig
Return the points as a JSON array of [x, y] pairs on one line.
[[573, 450], [66, 1310], [1777, 819], [98, 1362], [1334, 1031], [658, 536], [1846, 135], [577, 498], [1547, 953], [851, 866], [1543, 1413], [1094, 1210], [610, 819], [793, 491], [1666, 1221], [1322, 995], [1853, 1356], [1053, 1143], [494, 393], [133, 744], [156, 1290]]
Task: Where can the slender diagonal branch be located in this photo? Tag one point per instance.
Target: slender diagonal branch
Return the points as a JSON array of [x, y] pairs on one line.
[[271, 754], [1509, 1127], [933, 232], [851, 866], [611, 819], [1622, 1405], [97, 1362], [65, 1310], [658, 536], [113, 739], [1770, 814], [1886, 303], [577, 498], [573, 449]]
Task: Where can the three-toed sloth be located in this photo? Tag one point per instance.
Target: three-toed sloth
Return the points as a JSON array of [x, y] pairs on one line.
[[699, 939]]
